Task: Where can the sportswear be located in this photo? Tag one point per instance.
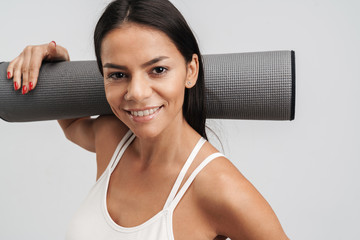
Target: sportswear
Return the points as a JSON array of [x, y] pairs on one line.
[[93, 222]]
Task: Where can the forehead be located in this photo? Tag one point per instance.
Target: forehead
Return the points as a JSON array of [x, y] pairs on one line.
[[133, 41]]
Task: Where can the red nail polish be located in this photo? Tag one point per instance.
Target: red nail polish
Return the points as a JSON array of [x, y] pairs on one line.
[[24, 90], [30, 86], [8, 75], [16, 86], [54, 43]]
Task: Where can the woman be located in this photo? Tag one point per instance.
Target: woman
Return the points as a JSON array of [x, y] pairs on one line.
[[157, 176]]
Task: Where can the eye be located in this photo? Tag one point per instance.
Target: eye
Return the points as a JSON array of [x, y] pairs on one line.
[[159, 70], [116, 75]]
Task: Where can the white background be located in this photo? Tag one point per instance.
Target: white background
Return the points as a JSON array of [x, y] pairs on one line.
[[307, 169]]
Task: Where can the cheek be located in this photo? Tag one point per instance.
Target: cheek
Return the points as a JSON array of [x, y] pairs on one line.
[[114, 93], [174, 91]]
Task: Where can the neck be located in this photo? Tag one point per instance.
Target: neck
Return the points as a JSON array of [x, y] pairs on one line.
[[168, 148]]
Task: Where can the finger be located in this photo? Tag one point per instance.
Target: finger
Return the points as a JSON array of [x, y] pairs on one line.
[[16, 74], [34, 67], [10, 68], [10, 73], [25, 69]]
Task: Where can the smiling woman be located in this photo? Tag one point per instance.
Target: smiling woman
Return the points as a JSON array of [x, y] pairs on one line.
[[157, 176], [156, 16], [144, 72]]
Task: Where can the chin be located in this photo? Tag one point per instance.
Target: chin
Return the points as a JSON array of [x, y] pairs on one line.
[[146, 133]]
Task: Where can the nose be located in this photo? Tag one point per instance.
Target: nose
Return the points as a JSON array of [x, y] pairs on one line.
[[138, 89]]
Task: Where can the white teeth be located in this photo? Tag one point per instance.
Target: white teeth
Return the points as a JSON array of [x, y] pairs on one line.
[[144, 113]]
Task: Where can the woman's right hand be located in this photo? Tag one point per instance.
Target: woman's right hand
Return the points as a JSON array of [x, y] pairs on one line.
[[24, 69]]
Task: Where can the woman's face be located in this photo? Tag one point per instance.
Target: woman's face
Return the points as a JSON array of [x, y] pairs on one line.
[[145, 78]]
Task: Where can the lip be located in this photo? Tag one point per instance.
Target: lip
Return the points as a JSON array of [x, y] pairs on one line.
[[144, 119], [142, 109]]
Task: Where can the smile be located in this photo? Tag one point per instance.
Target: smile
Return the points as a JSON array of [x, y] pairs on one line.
[[144, 116], [144, 113]]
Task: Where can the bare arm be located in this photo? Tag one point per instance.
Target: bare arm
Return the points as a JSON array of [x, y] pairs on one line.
[[24, 71], [99, 135], [80, 131], [234, 207]]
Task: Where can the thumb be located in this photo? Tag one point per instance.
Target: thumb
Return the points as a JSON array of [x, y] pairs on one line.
[[56, 52], [50, 51]]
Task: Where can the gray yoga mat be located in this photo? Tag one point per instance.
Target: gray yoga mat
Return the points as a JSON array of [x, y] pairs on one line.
[[258, 85]]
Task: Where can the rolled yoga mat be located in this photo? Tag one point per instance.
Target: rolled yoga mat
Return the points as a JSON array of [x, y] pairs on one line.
[[258, 85]]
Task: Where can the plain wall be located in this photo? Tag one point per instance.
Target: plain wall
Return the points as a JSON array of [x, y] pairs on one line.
[[307, 169]]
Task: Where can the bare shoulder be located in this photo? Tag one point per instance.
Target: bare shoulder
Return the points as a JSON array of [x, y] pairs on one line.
[[232, 204], [109, 130], [218, 179]]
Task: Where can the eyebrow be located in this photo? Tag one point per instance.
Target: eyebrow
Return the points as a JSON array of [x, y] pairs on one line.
[[148, 63]]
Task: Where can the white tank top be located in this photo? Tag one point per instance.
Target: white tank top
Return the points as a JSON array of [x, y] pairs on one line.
[[93, 222]]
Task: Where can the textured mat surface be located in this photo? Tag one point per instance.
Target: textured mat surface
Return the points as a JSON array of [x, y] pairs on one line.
[[259, 85]]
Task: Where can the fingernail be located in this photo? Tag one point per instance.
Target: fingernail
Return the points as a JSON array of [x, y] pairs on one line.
[[24, 89], [16, 86], [30, 86], [8, 75], [54, 43]]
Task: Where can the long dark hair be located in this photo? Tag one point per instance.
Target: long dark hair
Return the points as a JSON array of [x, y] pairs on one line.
[[161, 15]]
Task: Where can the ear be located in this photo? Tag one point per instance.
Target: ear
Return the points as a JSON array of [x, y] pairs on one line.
[[192, 71]]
